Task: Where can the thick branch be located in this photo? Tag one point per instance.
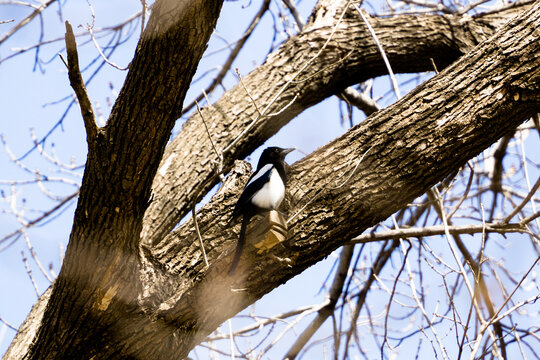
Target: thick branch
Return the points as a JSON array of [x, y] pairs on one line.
[[329, 61], [408, 148]]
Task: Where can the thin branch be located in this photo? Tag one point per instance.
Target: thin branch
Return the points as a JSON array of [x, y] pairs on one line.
[[325, 312], [381, 50], [261, 323], [232, 56], [114, 29], [523, 203], [475, 267], [199, 236], [231, 337], [414, 294], [219, 155], [36, 260], [195, 198], [29, 272], [440, 230], [248, 93], [360, 100], [465, 193], [77, 83], [25, 21], [379, 263], [528, 219], [38, 219], [8, 324], [526, 173], [294, 12], [103, 56], [60, 121], [494, 317]]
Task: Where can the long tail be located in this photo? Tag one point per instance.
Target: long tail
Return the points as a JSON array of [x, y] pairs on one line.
[[240, 245]]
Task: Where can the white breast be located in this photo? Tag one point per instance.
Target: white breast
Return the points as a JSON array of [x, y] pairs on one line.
[[272, 193]]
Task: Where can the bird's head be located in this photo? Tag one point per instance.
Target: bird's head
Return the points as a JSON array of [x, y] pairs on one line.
[[274, 154]]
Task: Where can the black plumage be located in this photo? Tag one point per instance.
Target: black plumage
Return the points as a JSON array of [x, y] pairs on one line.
[[263, 192]]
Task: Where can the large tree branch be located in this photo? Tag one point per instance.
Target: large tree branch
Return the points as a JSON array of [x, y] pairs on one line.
[[408, 148], [331, 55]]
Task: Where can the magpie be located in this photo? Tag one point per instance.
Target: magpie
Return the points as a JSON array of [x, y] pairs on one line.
[[263, 192]]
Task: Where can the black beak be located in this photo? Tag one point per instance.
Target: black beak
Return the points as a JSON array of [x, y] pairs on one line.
[[284, 152]]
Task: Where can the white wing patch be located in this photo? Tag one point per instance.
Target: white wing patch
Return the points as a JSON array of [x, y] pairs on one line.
[[260, 173], [272, 193]]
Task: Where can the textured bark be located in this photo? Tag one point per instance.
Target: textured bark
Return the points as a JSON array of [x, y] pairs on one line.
[[331, 55], [408, 148], [93, 310], [164, 307]]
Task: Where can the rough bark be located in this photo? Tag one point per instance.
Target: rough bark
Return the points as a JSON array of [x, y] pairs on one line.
[[408, 148], [331, 55], [93, 308]]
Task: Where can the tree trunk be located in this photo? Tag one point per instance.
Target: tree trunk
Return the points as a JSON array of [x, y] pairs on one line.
[[107, 304], [93, 309]]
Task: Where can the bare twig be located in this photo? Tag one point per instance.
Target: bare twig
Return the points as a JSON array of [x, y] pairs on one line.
[[36, 260], [8, 324], [414, 293], [224, 69], [263, 322], [330, 303], [29, 272], [494, 317], [439, 230], [294, 11], [381, 50], [115, 28], [438, 201], [77, 83], [103, 56], [38, 219], [231, 337], [26, 20], [248, 93], [526, 173], [523, 203]]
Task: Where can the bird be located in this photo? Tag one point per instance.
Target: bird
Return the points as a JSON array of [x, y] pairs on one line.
[[263, 192]]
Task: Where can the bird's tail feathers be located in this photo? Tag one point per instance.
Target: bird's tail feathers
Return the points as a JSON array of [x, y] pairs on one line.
[[239, 245]]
